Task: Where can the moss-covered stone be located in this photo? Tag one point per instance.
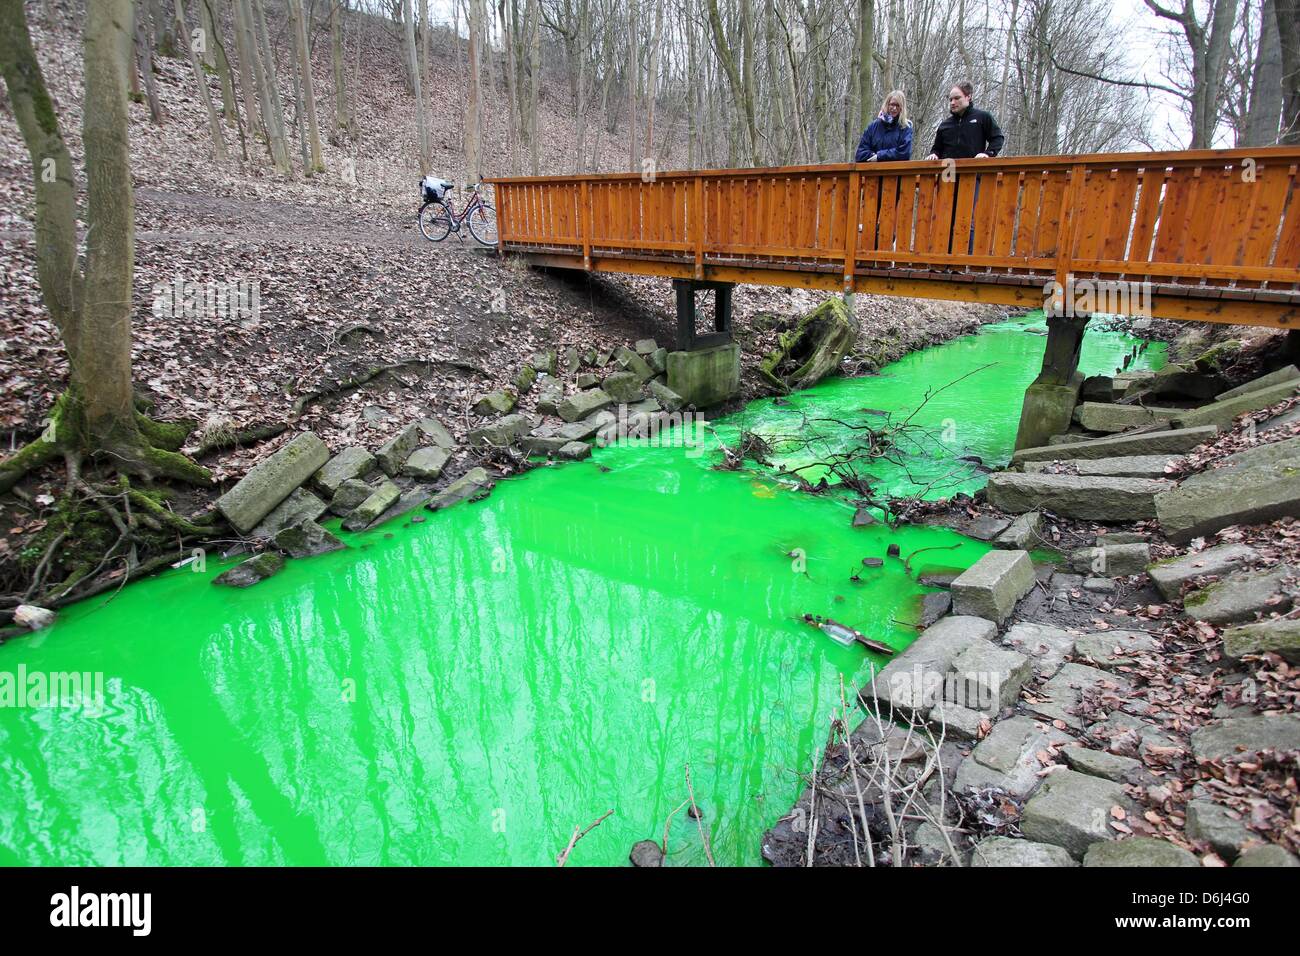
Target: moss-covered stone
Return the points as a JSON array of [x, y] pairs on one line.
[[253, 571]]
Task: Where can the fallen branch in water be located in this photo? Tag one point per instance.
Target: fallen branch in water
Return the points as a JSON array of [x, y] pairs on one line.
[[578, 835], [907, 562], [708, 853]]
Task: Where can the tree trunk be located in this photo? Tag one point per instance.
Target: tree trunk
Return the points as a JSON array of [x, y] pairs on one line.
[[867, 47], [299, 24], [219, 152], [269, 89], [473, 122], [52, 171], [101, 370], [633, 82], [229, 109], [1288, 27], [421, 121], [144, 51], [1265, 110], [247, 57]]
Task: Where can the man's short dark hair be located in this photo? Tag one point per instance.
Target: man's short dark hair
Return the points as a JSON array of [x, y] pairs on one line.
[[966, 88]]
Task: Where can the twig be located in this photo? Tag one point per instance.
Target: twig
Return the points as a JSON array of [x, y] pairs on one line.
[[708, 852], [578, 835]]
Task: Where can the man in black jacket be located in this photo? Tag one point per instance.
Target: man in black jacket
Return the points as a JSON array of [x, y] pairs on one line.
[[967, 133]]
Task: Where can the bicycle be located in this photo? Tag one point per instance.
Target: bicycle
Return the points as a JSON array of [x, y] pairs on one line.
[[438, 217]]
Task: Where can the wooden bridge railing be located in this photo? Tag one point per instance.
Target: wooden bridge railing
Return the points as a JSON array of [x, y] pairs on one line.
[[1215, 232]]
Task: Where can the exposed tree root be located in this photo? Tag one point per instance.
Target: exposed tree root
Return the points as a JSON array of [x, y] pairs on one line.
[[249, 436], [29, 458]]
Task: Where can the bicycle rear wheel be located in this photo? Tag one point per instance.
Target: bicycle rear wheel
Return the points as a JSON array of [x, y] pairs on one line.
[[483, 224], [434, 220]]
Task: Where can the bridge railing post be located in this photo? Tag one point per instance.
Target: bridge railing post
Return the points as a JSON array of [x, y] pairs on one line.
[[851, 227], [697, 223], [1065, 232], [584, 223]]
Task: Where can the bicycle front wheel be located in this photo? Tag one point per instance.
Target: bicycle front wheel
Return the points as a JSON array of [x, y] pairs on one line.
[[434, 220], [483, 224]]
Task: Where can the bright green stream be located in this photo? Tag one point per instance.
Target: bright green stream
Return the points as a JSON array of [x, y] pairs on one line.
[[468, 689]]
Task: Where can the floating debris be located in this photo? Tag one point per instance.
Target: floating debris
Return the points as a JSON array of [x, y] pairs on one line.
[[845, 635]]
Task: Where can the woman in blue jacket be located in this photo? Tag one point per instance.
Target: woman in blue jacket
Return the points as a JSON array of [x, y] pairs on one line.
[[889, 137]]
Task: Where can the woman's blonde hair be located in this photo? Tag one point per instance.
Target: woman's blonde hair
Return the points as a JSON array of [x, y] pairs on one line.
[[902, 106]]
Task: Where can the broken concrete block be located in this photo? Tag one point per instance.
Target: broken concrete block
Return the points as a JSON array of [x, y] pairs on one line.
[[1073, 810], [1169, 576], [914, 680], [350, 494], [1177, 441], [1214, 824], [1006, 852], [1100, 417], [1099, 763], [1023, 533], [1138, 851], [988, 678], [353, 462], [1109, 649], [1241, 734], [426, 463], [500, 402], [1279, 636], [269, 482], [471, 486], [1073, 496], [250, 572], [1288, 374], [1059, 697], [991, 586], [1044, 645], [1222, 413], [366, 513], [1243, 595], [307, 539], [622, 386], [500, 433], [1008, 758], [301, 505], [584, 404], [1254, 496]]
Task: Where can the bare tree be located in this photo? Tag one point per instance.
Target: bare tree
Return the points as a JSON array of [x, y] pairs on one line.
[[1208, 42], [473, 122], [91, 306], [1288, 26], [298, 24], [201, 81], [144, 60]]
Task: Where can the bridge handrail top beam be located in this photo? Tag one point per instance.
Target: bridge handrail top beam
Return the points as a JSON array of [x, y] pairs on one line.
[[1136, 160]]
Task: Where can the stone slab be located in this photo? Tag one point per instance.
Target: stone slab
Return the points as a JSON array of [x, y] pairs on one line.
[[271, 481], [1073, 496], [1221, 413], [1073, 810], [991, 586], [1176, 441], [1243, 595], [1288, 374], [1170, 575]]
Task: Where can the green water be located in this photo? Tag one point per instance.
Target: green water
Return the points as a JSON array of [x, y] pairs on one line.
[[468, 689]]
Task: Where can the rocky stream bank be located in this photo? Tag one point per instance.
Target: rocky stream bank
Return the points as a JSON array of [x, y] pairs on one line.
[[1116, 682]]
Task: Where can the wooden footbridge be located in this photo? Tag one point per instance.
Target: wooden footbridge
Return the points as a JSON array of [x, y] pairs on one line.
[[1206, 235]]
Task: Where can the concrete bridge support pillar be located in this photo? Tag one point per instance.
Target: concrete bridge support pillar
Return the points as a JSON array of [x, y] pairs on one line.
[[1050, 400], [705, 369]]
